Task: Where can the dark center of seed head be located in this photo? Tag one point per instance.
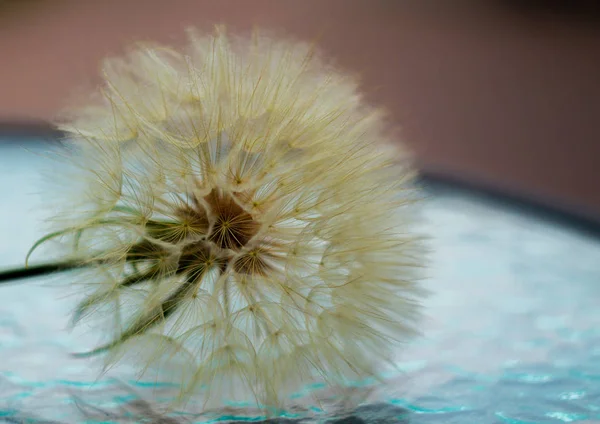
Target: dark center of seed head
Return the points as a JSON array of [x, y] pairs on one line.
[[205, 245], [233, 227]]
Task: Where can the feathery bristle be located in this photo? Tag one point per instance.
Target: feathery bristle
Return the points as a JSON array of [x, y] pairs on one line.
[[244, 209]]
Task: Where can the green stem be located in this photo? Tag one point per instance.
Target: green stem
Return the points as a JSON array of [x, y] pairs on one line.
[[8, 276]]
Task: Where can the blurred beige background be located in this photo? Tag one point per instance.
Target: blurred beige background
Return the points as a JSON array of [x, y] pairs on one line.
[[500, 93]]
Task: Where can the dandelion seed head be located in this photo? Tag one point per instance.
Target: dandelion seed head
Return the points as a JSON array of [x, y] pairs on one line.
[[243, 208]]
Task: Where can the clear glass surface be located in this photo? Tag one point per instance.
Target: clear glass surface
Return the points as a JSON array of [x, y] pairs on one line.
[[511, 333]]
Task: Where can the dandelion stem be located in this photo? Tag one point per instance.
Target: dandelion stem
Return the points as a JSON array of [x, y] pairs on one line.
[[8, 276]]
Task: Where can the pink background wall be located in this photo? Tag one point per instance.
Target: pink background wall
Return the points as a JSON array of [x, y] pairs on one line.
[[480, 91]]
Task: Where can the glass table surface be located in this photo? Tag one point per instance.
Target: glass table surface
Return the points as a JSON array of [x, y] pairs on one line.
[[511, 333]]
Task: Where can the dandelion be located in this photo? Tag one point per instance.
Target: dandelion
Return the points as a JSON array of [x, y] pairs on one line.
[[238, 207]]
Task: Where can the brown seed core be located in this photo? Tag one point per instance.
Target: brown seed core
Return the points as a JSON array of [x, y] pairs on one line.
[[233, 227]]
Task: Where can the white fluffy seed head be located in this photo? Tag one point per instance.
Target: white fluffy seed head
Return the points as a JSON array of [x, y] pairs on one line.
[[243, 210]]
